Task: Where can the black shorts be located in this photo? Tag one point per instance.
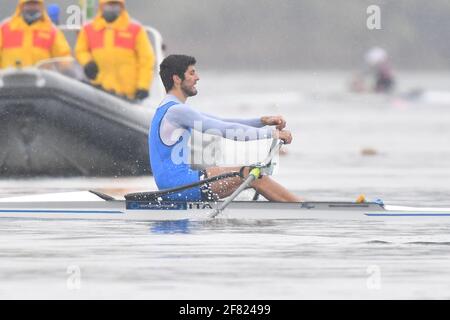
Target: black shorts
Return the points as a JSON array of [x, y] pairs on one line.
[[207, 194]]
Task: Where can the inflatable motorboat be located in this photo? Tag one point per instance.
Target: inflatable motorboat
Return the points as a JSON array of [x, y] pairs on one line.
[[54, 125]]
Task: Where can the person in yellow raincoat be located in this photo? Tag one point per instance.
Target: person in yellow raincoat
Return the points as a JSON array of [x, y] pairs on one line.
[[29, 37], [116, 52]]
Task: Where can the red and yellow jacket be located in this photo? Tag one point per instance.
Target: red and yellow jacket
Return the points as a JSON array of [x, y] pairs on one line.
[[122, 51], [26, 45]]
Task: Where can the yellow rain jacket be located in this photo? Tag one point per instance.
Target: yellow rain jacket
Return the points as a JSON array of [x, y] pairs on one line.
[[25, 45], [122, 51]]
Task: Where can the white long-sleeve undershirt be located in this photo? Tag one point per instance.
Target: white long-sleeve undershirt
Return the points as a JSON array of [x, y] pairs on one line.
[[181, 117]]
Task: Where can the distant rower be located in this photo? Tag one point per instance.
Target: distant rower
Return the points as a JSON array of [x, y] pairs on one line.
[[379, 69], [171, 129]]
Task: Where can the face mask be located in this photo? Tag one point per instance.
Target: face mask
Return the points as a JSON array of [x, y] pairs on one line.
[[31, 16], [110, 14]]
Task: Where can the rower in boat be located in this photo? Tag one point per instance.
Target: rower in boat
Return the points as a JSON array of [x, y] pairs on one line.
[[171, 128], [378, 71]]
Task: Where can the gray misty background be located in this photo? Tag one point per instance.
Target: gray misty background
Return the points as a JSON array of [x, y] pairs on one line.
[[295, 34]]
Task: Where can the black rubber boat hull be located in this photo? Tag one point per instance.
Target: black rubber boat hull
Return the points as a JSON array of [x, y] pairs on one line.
[[52, 125]]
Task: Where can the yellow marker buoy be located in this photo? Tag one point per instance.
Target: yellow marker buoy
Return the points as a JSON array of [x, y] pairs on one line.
[[361, 199]]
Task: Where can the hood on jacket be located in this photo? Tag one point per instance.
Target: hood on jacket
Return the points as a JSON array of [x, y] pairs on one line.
[[103, 2], [17, 17], [121, 23]]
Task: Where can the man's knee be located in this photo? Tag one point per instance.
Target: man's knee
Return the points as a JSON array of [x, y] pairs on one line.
[[260, 181]]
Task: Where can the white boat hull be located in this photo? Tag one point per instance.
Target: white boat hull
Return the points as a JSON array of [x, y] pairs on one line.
[[145, 211]]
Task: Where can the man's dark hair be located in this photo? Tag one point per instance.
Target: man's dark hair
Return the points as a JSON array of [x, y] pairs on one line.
[[176, 64]]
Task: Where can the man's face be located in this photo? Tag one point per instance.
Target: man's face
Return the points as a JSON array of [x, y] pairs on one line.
[[190, 81], [113, 6], [32, 6], [32, 12]]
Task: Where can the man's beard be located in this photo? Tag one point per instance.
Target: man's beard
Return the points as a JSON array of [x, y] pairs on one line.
[[188, 92]]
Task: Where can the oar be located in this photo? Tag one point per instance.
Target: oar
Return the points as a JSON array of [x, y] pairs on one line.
[[258, 170], [274, 144]]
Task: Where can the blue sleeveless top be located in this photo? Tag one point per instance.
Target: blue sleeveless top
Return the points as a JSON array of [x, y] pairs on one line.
[[169, 164]]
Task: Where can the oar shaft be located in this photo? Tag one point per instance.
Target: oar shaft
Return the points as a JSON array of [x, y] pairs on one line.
[[252, 177], [274, 149]]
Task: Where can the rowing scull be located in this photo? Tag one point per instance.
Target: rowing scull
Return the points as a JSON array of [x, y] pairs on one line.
[[96, 208]]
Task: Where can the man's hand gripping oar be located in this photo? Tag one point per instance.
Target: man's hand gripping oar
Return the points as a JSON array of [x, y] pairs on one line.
[[257, 171]]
